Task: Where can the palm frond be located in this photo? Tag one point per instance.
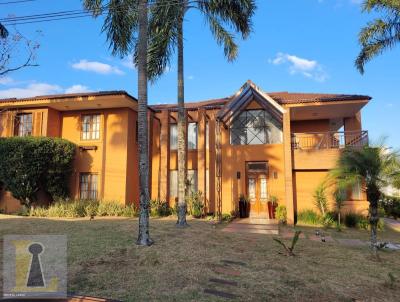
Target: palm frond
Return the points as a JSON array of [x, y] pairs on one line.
[[223, 37], [234, 13], [120, 24], [381, 34], [164, 18]]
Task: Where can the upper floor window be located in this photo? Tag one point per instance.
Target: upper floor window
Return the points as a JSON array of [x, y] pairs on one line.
[[173, 136], [255, 127], [91, 127], [23, 124], [192, 136]]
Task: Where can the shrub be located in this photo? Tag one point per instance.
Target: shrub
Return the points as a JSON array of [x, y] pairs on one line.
[[110, 208], [195, 204], [320, 200], [227, 217], [84, 208], [130, 211], [329, 219], [391, 206], [38, 212], [159, 208], [309, 217], [281, 213], [23, 211], [30, 164], [351, 220], [354, 220]]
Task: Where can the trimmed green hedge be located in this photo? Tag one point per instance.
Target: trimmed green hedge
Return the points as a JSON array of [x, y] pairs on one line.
[[84, 208], [30, 164]]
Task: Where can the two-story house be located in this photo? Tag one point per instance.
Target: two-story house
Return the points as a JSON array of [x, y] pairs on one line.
[[253, 143]]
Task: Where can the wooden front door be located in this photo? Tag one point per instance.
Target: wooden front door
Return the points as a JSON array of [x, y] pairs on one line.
[[258, 194]]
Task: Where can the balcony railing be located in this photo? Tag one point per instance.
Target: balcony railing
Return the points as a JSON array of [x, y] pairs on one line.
[[329, 140]]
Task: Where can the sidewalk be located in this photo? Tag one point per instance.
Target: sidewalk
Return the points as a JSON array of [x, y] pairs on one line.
[[392, 223]]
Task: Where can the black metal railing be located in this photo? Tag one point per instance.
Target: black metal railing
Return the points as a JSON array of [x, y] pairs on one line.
[[329, 140]]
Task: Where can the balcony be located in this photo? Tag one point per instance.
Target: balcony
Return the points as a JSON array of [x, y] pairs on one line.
[[329, 140], [321, 150]]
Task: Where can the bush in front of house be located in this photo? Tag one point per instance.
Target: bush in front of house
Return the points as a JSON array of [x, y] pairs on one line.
[[355, 220], [84, 208], [310, 217], [30, 164], [281, 214], [159, 208], [391, 206]]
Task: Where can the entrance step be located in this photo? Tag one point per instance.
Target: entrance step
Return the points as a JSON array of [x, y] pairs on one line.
[[253, 226], [251, 231]]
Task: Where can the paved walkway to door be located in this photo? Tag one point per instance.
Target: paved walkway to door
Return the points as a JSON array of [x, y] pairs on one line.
[[392, 223], [253, 226]]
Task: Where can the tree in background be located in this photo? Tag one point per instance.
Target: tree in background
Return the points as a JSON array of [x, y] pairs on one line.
[[166, 35], [375, 168], [382, 33], [16, 51], [126, 26]]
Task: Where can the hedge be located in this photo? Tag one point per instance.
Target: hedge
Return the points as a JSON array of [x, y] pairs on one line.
[[30, 164]]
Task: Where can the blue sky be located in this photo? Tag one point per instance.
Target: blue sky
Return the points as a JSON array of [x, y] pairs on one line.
[[296, 46]]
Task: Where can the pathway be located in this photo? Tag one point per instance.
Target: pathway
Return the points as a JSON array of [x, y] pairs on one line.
[[253, 226], [392, 223]]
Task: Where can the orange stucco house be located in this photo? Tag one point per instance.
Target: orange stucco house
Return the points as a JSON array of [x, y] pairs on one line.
[[253, 143]]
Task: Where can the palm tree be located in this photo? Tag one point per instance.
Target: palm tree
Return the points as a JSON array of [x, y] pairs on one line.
[[125, 18], [375, 168], [339, 197], [166, 34], [382, 33]]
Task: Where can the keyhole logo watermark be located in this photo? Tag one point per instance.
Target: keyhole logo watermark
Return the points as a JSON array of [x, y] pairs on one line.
[[35, 266]]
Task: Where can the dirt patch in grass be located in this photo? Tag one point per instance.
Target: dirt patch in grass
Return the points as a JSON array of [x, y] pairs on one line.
[[104, 261]]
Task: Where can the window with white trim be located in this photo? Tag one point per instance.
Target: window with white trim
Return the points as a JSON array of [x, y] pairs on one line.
[[192, 136], [88, 186], [173, 136], [90, 127], [173, 183], [23, 124]]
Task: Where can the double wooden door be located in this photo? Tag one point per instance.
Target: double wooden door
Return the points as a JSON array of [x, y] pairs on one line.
[[257, 192]]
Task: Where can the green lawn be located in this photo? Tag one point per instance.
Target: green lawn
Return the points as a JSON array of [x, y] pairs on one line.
[[104, 261]]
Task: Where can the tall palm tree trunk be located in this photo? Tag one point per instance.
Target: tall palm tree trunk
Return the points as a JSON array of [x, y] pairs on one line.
[[144, 235], [373, 196], [181, 130]]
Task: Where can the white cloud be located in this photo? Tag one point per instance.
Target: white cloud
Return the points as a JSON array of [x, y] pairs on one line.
[[191, 77], [34, 89], [77, 89], [308, 68], [128, 62], [97, 67], [6, 80], [38, 89]]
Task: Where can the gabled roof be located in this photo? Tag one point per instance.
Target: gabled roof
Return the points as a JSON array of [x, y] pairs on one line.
[[247, 93], [281, 98]]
